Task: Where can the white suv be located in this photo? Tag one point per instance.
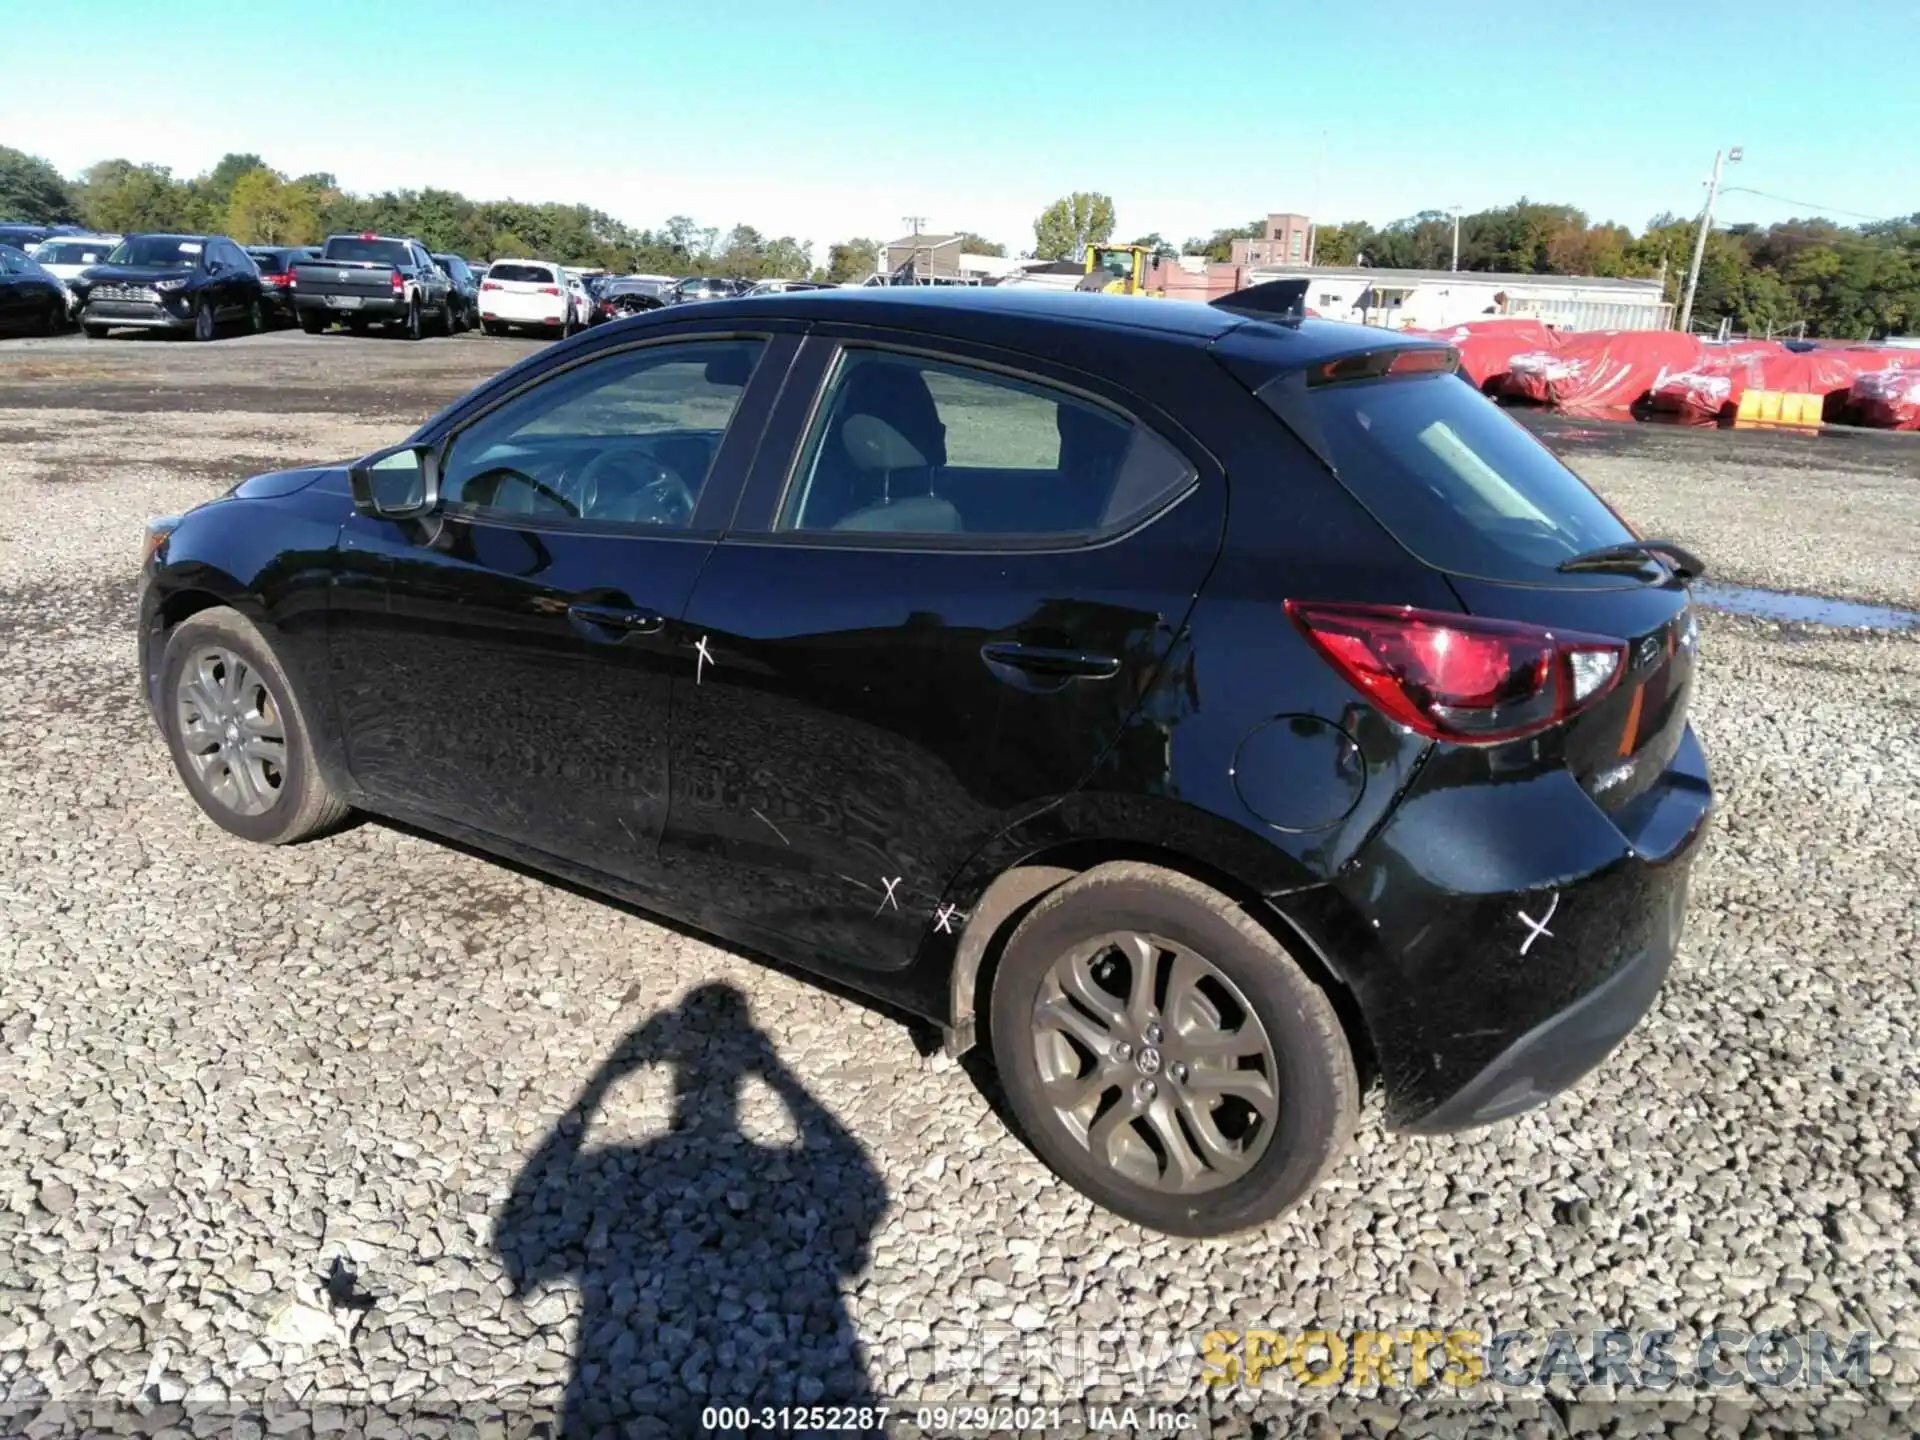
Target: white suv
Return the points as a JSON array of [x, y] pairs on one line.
[[531, 294], [65, 256]]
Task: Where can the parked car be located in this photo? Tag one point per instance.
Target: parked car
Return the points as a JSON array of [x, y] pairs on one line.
[[526, 294], [582, 301], [32, 298], [191, 284], [363, 280], [782, 287], [1196, 802], [275, 264], [466, 290], [68, 257], [703, 287], [617, 297], [23, 236]]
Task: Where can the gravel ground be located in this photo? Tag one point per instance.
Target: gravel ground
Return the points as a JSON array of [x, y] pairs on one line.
[[288, 1131]]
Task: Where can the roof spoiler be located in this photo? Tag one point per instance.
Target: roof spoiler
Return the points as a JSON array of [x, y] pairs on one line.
[[1282, 300]]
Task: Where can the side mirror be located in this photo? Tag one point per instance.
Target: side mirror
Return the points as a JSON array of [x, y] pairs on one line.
[[398, 484]]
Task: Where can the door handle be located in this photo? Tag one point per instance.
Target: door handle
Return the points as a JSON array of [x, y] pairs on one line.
[[620, 619], [1040, 667]]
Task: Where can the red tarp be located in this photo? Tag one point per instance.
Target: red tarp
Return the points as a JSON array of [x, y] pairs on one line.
[[1886, 399], [1602, 369], [1712, 389], [1486, 346]]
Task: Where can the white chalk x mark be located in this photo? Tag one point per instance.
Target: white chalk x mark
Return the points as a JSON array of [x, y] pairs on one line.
[[704, 659], [774, 828], [944, 917], [887, 899], [1538, 927]]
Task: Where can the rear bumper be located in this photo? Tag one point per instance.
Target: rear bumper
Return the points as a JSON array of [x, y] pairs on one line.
[[1502, 934], [381, 308], [532, 322]]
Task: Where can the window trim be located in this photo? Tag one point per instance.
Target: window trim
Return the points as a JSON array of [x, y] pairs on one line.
[[1023, 542], [574, 525]]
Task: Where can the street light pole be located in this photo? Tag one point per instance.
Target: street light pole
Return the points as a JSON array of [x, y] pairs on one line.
[[1700, 240], [1456, 235]]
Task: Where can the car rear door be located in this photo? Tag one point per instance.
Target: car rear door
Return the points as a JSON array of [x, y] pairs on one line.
[[515, 681], [954, 575]]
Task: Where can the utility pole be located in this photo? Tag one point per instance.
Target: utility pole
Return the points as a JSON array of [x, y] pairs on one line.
[[1454, 210], [916, 221], [1700, 241]]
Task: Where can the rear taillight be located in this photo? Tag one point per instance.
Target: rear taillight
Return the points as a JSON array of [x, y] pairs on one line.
[[488, 285], [1459, 677], [277, 279], [399, 282], [549, 289]]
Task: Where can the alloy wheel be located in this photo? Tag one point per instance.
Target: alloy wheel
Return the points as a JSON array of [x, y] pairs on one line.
[[231, 731], [1153, 1059]]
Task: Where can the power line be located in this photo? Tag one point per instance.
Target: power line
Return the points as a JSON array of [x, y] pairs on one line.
[[1810, 204]]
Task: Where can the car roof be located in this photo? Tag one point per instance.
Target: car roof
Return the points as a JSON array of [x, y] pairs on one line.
[[1041, 319]]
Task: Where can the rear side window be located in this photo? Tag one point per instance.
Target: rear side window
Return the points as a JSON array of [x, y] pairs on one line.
[[532, 274], [1458, 483], [911, 446]]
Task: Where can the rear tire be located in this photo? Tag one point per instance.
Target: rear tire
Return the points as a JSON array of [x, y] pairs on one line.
[[488, 327], [410, 327], [55, 319], [313, 323], [95, 332], [257, 318], [222, 687], [1216, 978]]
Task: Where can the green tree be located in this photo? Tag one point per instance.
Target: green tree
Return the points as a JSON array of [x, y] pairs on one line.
[[32, 190], [264, 210], [1070, 224], [973, 243], [118, 195], [852, 260]]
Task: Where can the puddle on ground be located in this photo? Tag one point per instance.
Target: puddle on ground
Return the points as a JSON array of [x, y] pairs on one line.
[[1805, 609]]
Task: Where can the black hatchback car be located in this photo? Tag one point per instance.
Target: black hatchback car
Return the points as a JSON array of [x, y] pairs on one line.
[[188, 284], [32, 299], [1205, 709]]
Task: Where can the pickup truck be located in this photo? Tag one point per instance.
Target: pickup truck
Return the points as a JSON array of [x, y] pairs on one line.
[[362, 280]]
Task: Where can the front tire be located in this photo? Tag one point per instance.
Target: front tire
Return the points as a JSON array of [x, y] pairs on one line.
[[95, 332], [238, 733], [1166, 1056], [205, 324]]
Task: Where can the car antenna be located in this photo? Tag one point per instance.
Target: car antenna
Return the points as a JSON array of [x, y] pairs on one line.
[[1281, 300]]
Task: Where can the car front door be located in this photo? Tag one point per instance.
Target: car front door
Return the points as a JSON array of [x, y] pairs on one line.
[[513, 679], [950, 585]]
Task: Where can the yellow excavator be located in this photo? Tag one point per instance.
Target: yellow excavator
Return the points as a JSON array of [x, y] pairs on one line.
[[1118, 269]]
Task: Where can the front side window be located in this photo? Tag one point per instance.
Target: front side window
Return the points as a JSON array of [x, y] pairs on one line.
[[912, 446], [625, 439]]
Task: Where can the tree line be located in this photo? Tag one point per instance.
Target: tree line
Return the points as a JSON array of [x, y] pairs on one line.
[[1811, 275], [1853, 282]]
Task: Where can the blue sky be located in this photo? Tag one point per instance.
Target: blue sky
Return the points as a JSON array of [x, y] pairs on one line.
[[843, 118]]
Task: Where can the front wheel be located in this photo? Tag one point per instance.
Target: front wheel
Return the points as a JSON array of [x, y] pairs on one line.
[[238, 733], [204, 323], [1166, 1056]]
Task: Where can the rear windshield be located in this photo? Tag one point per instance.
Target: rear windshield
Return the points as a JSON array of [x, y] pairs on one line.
[[537, 274], [1456, 481], [269, 263], [381, 252], [73, 252]]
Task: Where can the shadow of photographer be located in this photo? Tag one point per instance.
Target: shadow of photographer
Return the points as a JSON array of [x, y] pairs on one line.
[[709, 1264]]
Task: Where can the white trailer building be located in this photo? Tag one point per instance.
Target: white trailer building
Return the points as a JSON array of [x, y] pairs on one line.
[[1433, 299]]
